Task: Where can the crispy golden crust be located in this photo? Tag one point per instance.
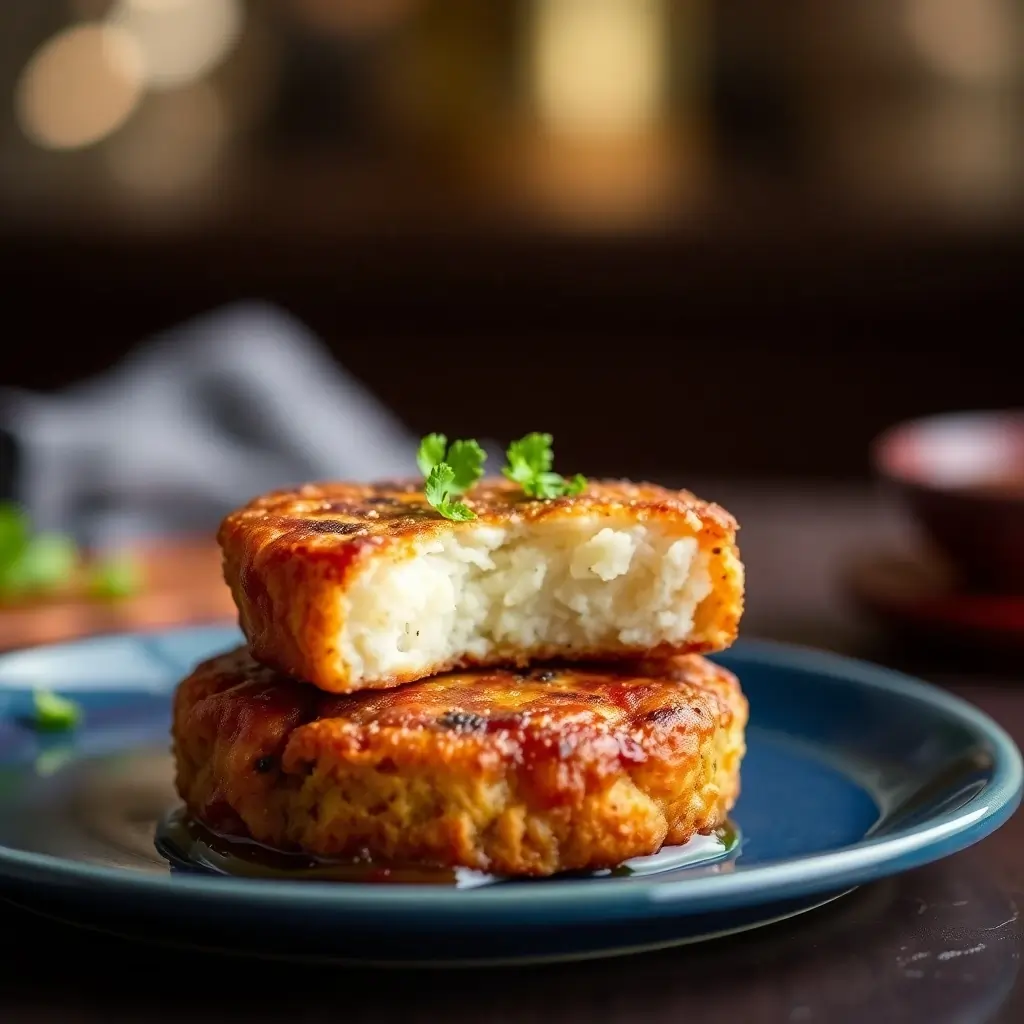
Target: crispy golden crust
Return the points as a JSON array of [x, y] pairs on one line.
[[288, 554], [515, 773]]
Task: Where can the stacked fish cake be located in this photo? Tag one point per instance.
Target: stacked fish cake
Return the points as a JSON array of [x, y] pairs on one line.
[[503, 674]]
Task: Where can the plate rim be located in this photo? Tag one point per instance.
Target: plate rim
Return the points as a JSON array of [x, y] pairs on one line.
[[861, 862]]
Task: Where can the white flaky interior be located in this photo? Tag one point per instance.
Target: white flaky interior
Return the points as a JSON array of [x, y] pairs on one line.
[[575, 582]]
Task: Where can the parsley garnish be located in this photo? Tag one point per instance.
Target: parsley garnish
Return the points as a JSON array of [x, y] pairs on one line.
[[431, 452], [14, 534], [529, 465], [118, 576], [46, 562], [440, 492], [43, 563], [32, 562], [54, 713], [451, 471], [450, 475]]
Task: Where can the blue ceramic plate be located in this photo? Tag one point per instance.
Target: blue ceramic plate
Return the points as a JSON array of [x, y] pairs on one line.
[[852, 773]]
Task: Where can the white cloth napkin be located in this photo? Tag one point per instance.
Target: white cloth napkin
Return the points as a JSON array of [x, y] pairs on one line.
[[192, 423]]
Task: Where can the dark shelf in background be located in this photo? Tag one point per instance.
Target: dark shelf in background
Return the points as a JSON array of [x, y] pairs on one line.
[[741, 349]]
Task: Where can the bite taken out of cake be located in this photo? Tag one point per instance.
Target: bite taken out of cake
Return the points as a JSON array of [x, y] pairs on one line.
[[355, 586]]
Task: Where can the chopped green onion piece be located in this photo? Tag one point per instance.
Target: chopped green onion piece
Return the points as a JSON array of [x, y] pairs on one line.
[[47, 561], [54, 713], [15, 530], [115, 577]]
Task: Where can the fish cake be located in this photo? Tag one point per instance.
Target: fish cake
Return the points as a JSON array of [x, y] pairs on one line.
[[351, 586], [514, 773]]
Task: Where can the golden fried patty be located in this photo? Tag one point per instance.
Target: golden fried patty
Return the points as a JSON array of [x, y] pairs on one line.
[[514, 773], [354, 587]]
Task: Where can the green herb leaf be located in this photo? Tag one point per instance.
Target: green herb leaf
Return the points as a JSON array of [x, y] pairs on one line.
[[45, 562], [529, 465], [439, 483], [15, 531], [439, 490], [449, 476], [577, 485], [115, 577], [32, 562], [467, 460], [54, 713], [528, 458], [51, 760], [543, 486], [456, 511], [431, 452]]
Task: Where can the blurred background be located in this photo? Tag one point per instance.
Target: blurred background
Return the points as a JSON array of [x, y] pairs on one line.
[[694, 239], [804, 218]]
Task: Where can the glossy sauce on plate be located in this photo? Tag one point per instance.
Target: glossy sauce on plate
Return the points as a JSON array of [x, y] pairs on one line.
[[190, 846]]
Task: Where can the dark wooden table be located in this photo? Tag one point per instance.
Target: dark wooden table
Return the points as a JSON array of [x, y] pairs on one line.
[[940, 944]]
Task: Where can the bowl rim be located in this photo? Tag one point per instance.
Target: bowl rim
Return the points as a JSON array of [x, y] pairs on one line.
[[882, 444]]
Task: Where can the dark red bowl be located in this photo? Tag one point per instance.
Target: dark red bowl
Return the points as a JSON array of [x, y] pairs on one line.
[[961, 476]]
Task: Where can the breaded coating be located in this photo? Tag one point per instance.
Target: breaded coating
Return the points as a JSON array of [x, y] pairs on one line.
[[531, 773], [353, 587]]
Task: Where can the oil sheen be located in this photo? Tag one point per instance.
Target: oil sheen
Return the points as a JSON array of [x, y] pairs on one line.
[[189, 845]]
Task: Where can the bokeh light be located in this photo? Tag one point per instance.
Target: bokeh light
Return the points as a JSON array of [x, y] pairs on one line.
[[180, 40], [973, 42], [598, 65], [172, 145], [79, 86]]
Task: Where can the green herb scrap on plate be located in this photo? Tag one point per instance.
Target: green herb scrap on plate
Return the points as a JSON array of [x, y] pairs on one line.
[[116, 576], [451, 471], [54, 713], [33, 564]]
